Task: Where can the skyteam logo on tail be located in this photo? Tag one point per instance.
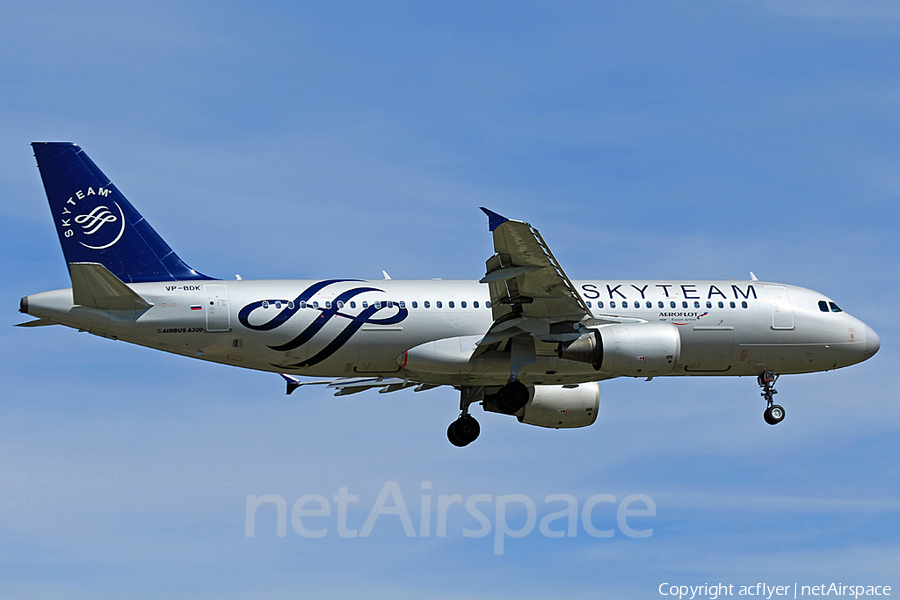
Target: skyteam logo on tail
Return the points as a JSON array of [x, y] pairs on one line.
[[95, 224]]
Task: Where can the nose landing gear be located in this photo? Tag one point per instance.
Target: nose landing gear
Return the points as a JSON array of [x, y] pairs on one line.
[[774, 414]]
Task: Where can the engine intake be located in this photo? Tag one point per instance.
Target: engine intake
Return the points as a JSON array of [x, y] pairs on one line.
[[557, 406]]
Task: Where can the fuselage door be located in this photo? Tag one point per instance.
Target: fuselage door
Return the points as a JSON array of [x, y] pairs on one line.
[[218, 317], [782, 311]]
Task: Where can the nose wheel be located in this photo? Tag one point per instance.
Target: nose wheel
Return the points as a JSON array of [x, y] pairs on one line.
[[774, 414]]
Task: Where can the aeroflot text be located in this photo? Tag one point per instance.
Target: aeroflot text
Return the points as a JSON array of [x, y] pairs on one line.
[[595, 513]]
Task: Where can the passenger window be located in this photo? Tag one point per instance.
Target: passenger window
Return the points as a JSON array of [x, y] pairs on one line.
[[427, 304], [834, 307], [462, 304], [649, 304], [352, 304], [661, 304], [684, 304], [415, 304], [291, 305], [589, 304], [708, 304], [612, 303], [732, 305], [599, 303], [743, 304], [696, 305], [625, 304], [721, 304], [365, 304], [487, 304], [277, 304], [450, 304], [438, 304], [402, 303], [340, 304], [475, 304], [265, 304], [328, 304], [823, 306], [672, 304], [378, 305]]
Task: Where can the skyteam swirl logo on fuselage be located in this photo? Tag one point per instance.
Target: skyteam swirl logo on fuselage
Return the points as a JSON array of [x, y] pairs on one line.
[[290, 307]]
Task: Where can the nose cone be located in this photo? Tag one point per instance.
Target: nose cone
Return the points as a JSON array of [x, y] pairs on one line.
[[873, 342]]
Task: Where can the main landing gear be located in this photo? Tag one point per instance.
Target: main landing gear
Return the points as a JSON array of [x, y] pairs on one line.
[[774, 414], [509, 400], [464, 430]]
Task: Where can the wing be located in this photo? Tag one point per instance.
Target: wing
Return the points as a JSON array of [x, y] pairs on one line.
[[525, 278], [530, 292]]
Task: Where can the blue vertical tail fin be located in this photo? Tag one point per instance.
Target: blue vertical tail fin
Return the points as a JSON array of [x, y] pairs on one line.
[[97, 224]]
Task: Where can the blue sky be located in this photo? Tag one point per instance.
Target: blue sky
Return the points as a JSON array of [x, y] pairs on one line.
[[303, 140]]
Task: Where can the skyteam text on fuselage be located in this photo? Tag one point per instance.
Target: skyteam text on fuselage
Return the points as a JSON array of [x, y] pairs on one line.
[[525, 340]]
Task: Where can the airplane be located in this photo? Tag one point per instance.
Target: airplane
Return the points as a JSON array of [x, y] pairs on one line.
[[524, 340]]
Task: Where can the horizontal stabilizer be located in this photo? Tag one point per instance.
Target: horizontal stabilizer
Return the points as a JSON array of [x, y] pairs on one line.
[[36, 323], [345, 386], [94, 286]]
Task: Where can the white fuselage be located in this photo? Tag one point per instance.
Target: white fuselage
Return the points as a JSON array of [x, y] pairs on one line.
[[426, 330]]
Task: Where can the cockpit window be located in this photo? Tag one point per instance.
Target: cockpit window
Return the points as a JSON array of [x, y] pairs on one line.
[[829, 307]]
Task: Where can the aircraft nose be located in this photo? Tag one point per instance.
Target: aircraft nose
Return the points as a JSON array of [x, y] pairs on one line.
[[873, 342]]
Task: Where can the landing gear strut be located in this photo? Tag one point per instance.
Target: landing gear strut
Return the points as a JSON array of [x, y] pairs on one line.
[[464, 430], [774, 414]]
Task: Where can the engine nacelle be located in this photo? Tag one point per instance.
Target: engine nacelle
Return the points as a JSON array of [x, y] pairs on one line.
[[628, 349], [557, 406]]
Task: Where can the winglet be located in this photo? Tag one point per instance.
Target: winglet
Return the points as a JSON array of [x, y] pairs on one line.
[[494, 220]]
